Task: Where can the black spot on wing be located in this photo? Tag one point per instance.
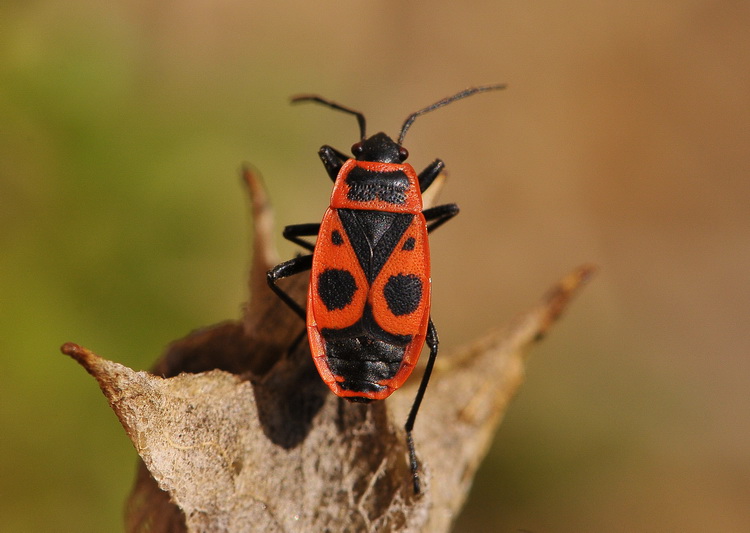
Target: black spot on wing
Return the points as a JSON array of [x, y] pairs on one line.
[[336, 288], [403, 292], [409, 244], [336, 238]]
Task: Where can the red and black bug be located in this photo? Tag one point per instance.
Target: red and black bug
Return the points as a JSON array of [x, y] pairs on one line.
[[368, 303]]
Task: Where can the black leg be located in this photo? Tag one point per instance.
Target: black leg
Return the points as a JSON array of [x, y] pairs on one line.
[[439, 215], [333, 160], [284, 270], [432, 342], [428, 175], [295, 231]]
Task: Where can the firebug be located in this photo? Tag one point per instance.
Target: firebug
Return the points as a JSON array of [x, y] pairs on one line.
[[368, 302]]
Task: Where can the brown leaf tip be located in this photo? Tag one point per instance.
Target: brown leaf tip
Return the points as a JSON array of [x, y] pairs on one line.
[[73, 350], [558, 298], [86, 358], [252, 178]]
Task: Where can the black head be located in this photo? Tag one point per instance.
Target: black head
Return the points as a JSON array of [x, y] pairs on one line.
[[380, 148]]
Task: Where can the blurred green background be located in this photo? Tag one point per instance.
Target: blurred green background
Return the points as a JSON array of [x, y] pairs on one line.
[[622, 140]]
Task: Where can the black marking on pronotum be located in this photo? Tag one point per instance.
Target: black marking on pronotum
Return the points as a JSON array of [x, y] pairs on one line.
[[368, 185]]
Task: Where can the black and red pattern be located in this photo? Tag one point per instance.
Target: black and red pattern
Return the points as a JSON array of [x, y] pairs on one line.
[[368, 303]]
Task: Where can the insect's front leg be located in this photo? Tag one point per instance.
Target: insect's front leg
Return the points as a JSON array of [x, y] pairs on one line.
[[428, 175], [333, 160]]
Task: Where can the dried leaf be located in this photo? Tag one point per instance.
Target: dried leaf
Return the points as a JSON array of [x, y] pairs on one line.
[[238, 433]]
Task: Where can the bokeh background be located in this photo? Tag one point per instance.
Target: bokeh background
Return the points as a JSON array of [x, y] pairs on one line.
[[621, 140]]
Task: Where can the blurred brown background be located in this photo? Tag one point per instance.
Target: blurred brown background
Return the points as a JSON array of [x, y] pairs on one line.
[[621, 140]]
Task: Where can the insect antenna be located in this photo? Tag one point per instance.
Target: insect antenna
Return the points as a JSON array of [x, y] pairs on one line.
[[445, 101], [333, 105]]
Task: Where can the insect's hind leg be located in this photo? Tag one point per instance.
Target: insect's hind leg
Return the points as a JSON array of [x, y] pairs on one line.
[[284, 270], [432, 343]]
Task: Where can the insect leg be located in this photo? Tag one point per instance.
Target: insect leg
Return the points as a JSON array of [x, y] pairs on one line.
[[428, 175], [439, 215], [432, 342], [295, 231], [284, 270], [332, 160]]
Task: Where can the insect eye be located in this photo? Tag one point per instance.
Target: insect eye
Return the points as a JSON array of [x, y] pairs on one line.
[[403, 153], [357, 148]]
